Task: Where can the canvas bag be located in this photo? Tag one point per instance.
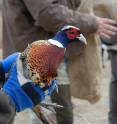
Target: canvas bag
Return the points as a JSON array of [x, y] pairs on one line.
[[84, 70]]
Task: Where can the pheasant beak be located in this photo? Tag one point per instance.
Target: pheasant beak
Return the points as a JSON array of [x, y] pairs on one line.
[[82, 39]]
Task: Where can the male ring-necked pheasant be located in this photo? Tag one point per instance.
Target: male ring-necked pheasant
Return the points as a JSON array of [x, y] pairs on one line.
[[43, 57]]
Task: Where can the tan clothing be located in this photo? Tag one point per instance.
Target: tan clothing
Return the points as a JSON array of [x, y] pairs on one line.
[[25, 21]]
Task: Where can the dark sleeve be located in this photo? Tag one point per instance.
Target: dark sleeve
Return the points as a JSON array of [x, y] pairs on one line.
[[50, 15], [2, 75]]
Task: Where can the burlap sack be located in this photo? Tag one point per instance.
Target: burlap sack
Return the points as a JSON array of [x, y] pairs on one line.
[[84, 71]]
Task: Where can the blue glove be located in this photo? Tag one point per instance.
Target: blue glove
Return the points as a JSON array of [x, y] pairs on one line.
[[7, 62], [41, 92], [14, 90], [48, 90], [27, 95]]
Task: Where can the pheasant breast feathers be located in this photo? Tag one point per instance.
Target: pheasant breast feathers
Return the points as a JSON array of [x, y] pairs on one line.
[[42, 60]]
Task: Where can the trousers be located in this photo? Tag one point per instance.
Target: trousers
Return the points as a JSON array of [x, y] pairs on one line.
[[7, 109], [113, 88], [63, 97]]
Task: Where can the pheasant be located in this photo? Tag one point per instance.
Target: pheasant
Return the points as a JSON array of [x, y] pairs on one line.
[[42, 58]]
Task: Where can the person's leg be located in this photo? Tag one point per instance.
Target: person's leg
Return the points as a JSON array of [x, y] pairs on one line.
[[63, 97], [113, 89], [7, 110], [64, 115]]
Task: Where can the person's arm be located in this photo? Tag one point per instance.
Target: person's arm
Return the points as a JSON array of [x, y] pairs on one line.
[[27, 95], [50, 15]]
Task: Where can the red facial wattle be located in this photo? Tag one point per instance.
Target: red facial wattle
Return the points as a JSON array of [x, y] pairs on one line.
[[72, 33]]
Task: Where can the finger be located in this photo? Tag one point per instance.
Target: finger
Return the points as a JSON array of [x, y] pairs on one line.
[[108, 32], [103, 35], [110, 27], [109, 21]]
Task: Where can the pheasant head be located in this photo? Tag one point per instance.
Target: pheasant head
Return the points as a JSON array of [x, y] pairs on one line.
[[69, 34]]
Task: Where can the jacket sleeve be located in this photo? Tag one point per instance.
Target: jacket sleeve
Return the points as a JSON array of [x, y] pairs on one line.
[[50, 15]]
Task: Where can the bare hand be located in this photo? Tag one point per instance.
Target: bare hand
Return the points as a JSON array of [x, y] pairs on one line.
[[106, 27]]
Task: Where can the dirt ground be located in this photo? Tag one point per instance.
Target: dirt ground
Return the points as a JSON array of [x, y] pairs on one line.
[[84, 112]]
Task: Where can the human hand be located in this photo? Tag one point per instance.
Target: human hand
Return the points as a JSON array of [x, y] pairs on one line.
[[8, 61], [27, 95], [13, 89], [42, 92], [106, 27]]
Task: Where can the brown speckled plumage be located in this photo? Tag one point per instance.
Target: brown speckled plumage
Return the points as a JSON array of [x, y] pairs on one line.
[[42, 60]]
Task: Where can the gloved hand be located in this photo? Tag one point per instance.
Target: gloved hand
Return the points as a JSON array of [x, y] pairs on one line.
[[7, 62], [27, 95], [38, 94]]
